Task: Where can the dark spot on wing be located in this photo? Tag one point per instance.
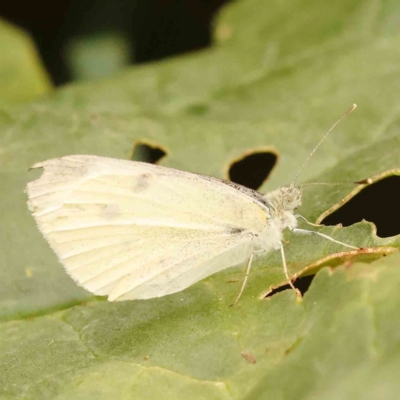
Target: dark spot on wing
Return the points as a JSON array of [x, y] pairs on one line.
[[142, 182], [235, 230], [252, 168]]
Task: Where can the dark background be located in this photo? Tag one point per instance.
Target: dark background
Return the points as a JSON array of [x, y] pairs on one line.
[[152, 29]]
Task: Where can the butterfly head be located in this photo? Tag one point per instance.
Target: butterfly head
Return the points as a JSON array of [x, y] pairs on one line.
[[291, 197], [281, 204], [284, 199]]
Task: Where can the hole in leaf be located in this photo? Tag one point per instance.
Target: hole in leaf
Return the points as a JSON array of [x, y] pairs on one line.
[[302, 284], [252, 169], [147, 153], [378, 203]]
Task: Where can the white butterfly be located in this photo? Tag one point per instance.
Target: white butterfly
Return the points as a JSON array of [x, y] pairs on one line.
[[132, 230]]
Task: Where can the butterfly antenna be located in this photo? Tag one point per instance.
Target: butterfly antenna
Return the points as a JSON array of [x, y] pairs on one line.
[[349, 111], [327, 183]]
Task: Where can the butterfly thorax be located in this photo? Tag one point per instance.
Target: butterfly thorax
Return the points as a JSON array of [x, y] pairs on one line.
[[281, 204]]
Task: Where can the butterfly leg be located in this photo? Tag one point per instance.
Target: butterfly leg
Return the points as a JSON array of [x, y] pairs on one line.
[[245, 278], [324, 236], [306, 220], [298, 294]]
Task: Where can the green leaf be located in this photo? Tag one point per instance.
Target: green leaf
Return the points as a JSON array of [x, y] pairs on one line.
[[278, 78], [22, 77]]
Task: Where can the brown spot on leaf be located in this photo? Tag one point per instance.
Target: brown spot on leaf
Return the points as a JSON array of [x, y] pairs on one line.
[[248, 357], [367, 181]]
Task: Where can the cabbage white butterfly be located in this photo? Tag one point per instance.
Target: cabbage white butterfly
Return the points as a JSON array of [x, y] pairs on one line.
[[132, 230]]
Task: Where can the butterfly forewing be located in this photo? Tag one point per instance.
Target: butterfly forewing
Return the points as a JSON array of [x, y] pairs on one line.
[[135, 230]]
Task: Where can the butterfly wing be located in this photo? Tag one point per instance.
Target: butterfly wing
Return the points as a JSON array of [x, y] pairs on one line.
[[133, 230]]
